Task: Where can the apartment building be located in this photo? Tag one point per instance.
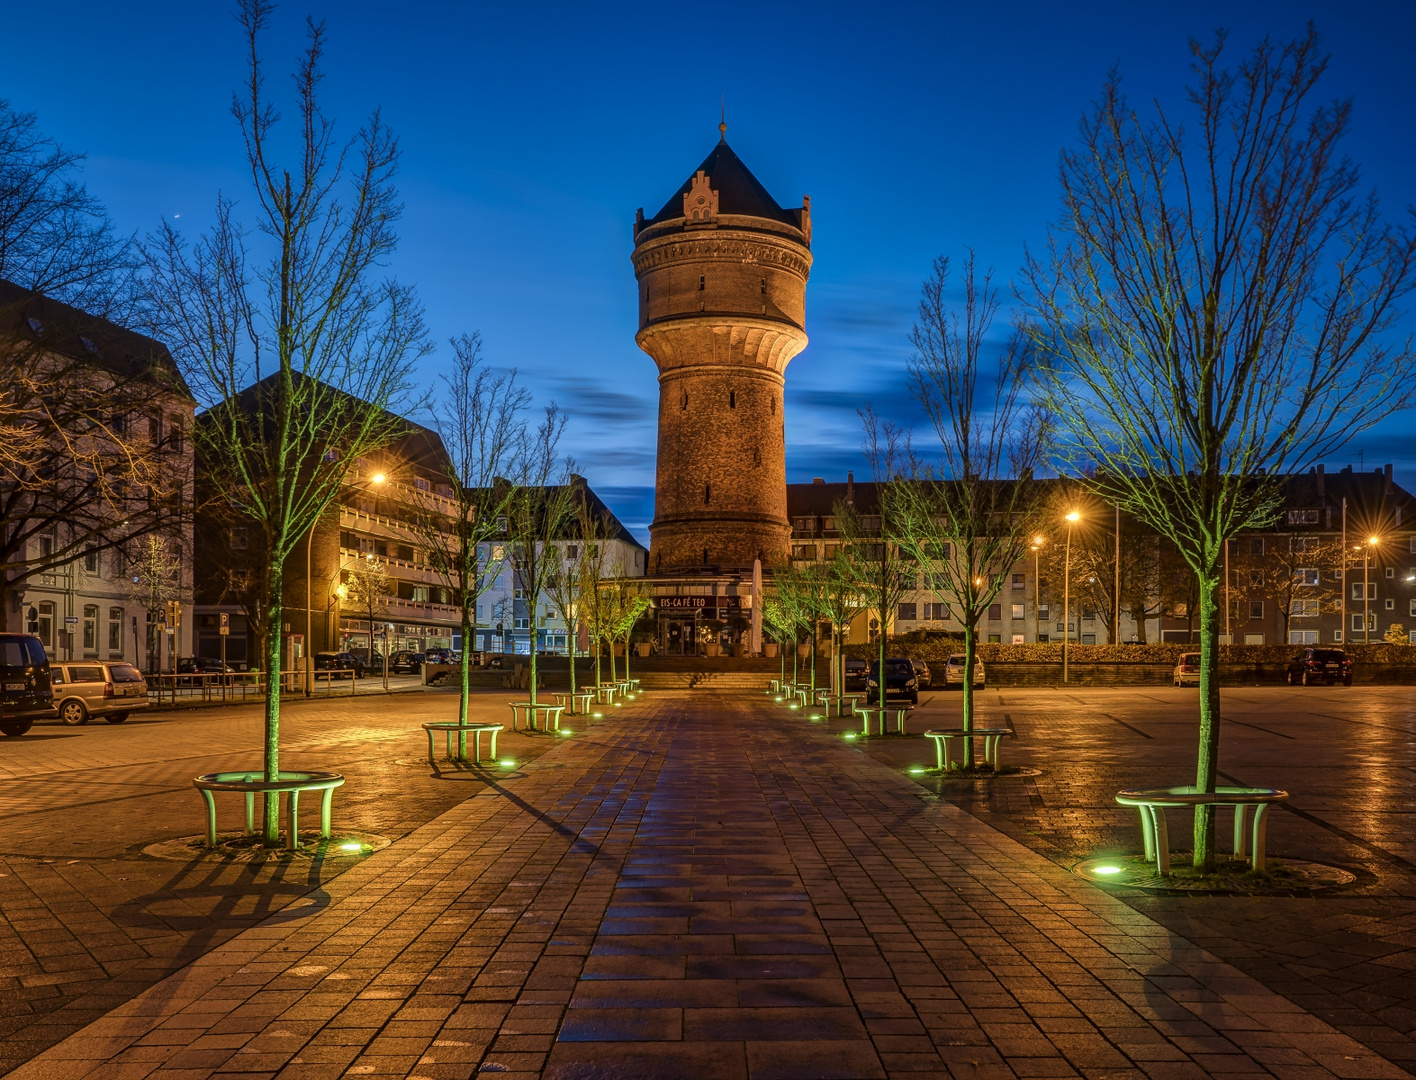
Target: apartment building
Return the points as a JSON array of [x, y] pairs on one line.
[[96, 527], [1337, 564]]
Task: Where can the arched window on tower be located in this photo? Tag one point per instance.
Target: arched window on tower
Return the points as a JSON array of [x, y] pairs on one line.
[[683, 400], [774, 404], [707, 494], [732, 399], [705, 556]]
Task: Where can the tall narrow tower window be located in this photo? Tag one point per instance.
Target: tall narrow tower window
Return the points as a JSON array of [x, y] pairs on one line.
[[707, 494], [732, 399], [774, 404], [702, 282], [757, 455], [705, 556], [683, 400], [764, 286]]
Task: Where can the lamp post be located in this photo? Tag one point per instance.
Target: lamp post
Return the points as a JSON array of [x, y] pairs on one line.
[[375, 480], [1037, 590], [1072, 519], [1372, 541]]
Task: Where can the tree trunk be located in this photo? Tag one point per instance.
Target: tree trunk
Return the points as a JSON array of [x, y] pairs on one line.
[[881, 677], [270, 827], [1207, 766], [970, 651], [469, 629], [534, 628]]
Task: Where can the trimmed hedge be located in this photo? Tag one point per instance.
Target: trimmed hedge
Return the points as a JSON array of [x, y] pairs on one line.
[[1166, 653]]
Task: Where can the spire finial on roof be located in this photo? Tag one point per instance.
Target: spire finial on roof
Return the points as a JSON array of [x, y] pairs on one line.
[[723, 121]]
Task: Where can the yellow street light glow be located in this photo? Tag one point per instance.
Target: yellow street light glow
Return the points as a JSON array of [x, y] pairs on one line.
[[377, 478], [1074, 516], [1038, 540], [1374, 539]]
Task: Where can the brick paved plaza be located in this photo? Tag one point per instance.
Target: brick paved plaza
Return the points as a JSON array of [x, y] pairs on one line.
[[708, 885]]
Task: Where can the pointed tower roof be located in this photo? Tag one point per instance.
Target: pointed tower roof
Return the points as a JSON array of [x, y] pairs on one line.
[[739, 192]]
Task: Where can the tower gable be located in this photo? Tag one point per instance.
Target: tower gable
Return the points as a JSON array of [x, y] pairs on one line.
[[700, 201]]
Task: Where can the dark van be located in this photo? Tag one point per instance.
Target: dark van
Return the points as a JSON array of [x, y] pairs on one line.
[[25, 691]]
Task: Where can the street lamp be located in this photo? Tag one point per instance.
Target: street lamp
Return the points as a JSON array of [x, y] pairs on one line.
[[375, 480], [1372, 541], [1037, 589], [1072, 519]]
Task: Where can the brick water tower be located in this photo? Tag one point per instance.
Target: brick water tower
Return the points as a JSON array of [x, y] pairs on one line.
[[722, 275]]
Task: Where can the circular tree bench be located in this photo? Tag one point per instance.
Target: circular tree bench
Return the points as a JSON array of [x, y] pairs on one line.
[[626, 687], [803, 696], [290, 784], [865, 712], [634, 686], [774, 686], [991, 737], [550, 715], [462, 731], [578, 702], [605, 694], [1151, 803]]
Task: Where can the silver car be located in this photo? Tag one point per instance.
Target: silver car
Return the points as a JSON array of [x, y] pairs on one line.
[[111, 690], [954, 672]]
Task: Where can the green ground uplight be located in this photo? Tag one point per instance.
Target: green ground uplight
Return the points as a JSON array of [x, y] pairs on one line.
[[816, 716], [917, 769], [849, 735], [794, 705], [1106, 869], [351, 846], [566, 731], [598, 715], [777, 698], [507, 764], [617, 704]]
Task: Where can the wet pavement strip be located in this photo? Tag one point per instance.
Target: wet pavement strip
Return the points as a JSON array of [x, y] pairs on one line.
[[706, 886]]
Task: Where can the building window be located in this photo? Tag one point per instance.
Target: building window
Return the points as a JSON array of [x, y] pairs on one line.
[[1306, 576], [707, 494], [1256, 609], [91, 628], [1302, 517], [1391, 571], [1390, 604], [1357, 590], [174, 434], [1337, 635], [1253, 639], [1357, 622], [732, 399], [1302, 637], [1044, 638], [1307, 609], [1018, 611], [91, 559], [1256, 545], [907, 613], [995, 612], [938, 612], [995, 639], [115, 631], [420, 593], [1256, 579], [239, 538], [1043, 612], [523, 624], [1413, 608], [46, 623], [1020, 581]]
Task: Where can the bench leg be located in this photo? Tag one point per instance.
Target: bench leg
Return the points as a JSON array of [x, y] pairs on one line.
[[1147, 832], [1240, 837], [211, 816], [432, 751], [494, 745], [938, 753], [326, 807], [292, 818], [250, 812], [1258, 859], [1162, 840]]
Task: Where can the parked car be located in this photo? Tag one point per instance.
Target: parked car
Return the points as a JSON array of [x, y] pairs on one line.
[[339, 661], [202, 665], [1320, 665], [856, 674], [439, 656], [900, 678], [954, 672], [405, 663], [1187, 670], [923, 675], [97, 688], [26, 694]]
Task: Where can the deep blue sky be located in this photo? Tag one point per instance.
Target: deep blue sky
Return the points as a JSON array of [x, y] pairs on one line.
[[531, 132]]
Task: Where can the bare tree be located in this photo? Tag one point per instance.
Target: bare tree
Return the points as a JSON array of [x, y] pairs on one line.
[[966, 510], [1287, 571], [156, 579], [56, 238], [867, 574], [573, 582], [1207, 305], [300, 357], [779, 624], [366, 589], [479, 417], [537, 514]]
